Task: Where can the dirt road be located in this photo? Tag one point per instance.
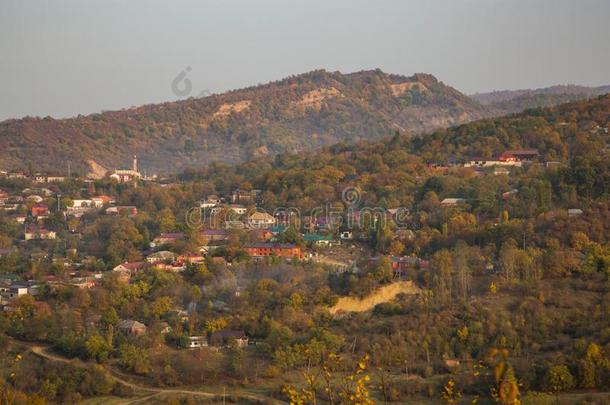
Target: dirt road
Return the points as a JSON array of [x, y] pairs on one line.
[[41, 351]]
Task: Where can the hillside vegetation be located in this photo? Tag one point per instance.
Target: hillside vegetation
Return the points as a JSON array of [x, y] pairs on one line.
[[513, 289], [301, 112], [512, 101]]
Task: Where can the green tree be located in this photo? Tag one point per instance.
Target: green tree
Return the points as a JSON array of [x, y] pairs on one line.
[[558, 378], [97, 348], [441, 266]]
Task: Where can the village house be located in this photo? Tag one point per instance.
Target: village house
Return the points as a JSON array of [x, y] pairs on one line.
[[260, 220], [48, 178], [324, 222], [244, 196], [196, 342], [84, 283], [19, 218], [128, 210], [128, 269], [318, 240], [88, 203], [166, 238], [16, 291], [80, 206], [161, 256], [132, 327], [34, 198], [574, 212], [400, 264], [55, 178], [225, 338], [104, 199], [510, 194], [34, 232], [210, 201], [40, 211], [514, 158], [16, 175], [175, 267], [285, 250], [260, 235], [238, 209], [491, 162], [214, 235], [523, 155], [191, 258], [452, 202], [35, 191]]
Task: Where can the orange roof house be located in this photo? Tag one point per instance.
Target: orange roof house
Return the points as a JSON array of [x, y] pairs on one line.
[[286, 250]]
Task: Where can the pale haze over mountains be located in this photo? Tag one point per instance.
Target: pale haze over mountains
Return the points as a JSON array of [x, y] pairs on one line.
[[69, 57]]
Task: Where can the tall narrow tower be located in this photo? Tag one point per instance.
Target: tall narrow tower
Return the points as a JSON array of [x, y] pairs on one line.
[[135, 163]]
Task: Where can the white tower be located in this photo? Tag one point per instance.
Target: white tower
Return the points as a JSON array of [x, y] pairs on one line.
[[135, 164]]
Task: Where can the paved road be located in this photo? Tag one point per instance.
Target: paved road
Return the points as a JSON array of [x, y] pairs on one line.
[[41, 351]]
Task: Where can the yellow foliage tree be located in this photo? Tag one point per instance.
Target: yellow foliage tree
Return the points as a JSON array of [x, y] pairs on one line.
[[506, 391]]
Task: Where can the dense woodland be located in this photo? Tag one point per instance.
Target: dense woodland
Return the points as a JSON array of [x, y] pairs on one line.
[[513, 101], [298, 113], [314, 109], [514, 305]]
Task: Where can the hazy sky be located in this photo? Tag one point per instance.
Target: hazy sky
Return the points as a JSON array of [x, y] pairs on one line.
[[65, 57]]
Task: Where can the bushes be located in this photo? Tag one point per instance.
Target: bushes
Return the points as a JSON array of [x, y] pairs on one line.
[[537, 398], [559, 378]]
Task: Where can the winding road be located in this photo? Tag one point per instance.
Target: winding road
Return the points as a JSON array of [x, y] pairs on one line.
[[41, 351]]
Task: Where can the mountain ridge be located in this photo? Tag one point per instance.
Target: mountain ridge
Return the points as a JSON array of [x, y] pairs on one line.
[[513, 101], [299, 112]]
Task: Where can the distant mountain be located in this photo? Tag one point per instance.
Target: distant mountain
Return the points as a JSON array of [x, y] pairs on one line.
[[298, 113], [512, 101]]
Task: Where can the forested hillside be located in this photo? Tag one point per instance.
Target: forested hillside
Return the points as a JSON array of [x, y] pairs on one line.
[[512, 101], [301, 112], [390, 172], [501, 293]]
